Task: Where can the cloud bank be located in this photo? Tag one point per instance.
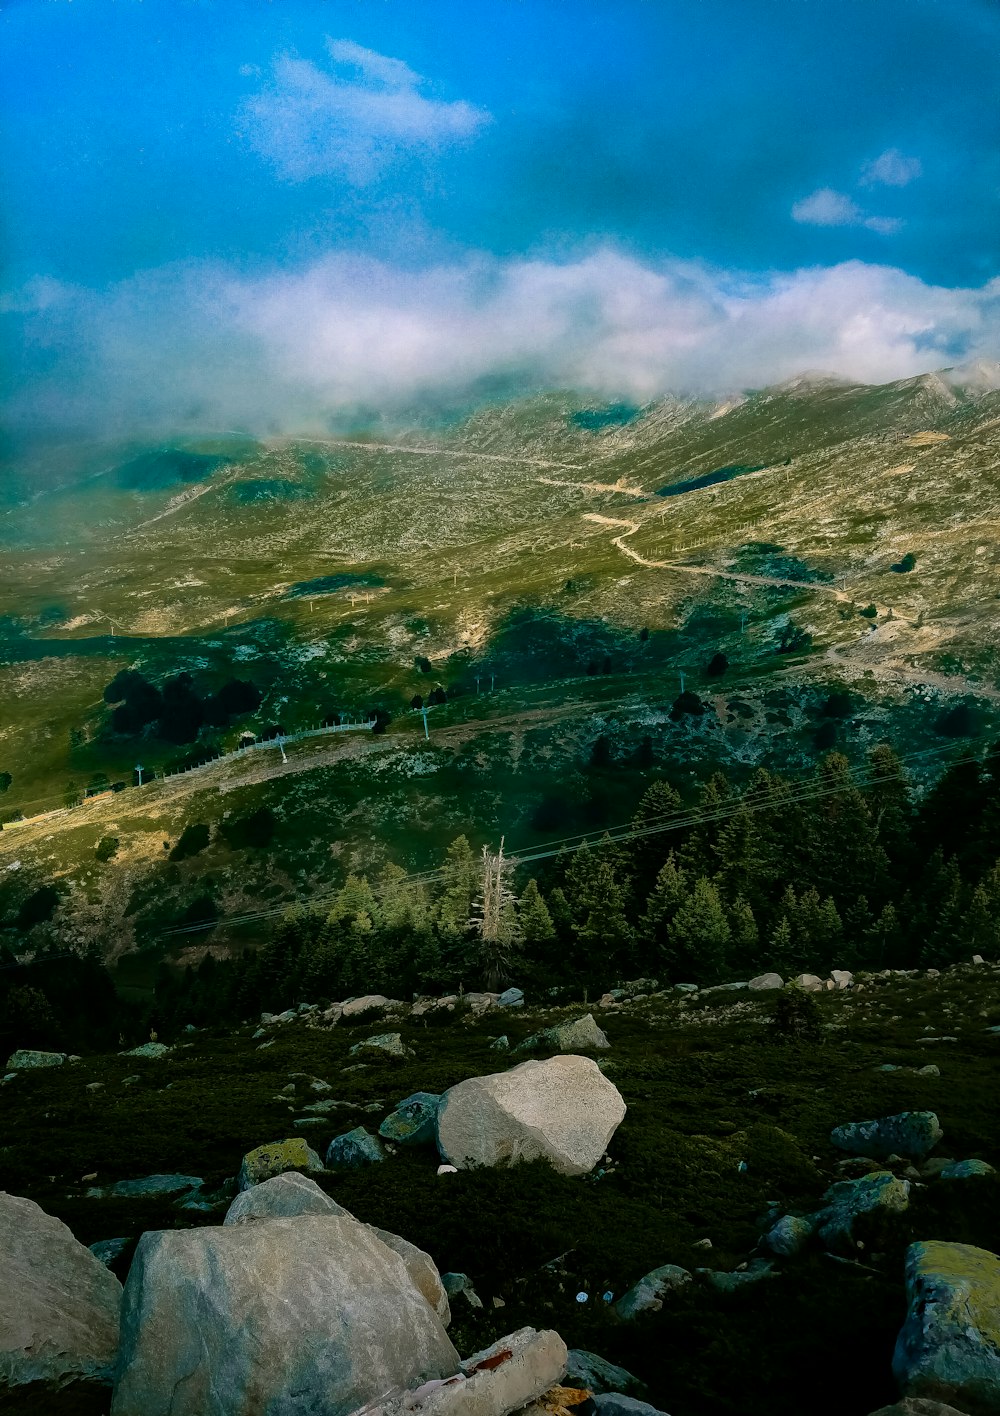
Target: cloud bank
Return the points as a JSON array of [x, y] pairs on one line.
[[203, 347], [309, 122], [827, 207]]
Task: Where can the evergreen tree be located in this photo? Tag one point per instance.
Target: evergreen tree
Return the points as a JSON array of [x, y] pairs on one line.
[[890, 807], [666, 898], [698, 854], [781, 960], [658, 805], [744, 938], [741, 868], [598, 897], [461, 872], [698, 937]]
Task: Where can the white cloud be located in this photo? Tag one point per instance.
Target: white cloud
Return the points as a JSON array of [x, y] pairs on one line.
[[311, 122], [891, 169], [826, 207], [286, 351]]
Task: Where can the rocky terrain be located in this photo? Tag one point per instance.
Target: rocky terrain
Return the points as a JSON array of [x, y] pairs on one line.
[[685, 1198]]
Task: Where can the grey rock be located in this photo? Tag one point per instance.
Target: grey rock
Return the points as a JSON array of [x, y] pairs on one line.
[[460, 1283], [755, 1271], [789, 1235], [909, 1133], [563, 1110], [413, 1121], [390, 1043], [511, 998], [766, 981], [966, 1169], [149, 1186], [500, 1044], [849, 1200], [107, 1250], [26, 1058], [153, 1050], [503, 1378], [808, 983], [615, 1403], [648, 1294], [336, 1324], [353, 1150], [370, 1003], [59, 1309], [422, 1271], [586, 1369], [580, 1035], [949, 1346], [282, 1197], [842, 978]]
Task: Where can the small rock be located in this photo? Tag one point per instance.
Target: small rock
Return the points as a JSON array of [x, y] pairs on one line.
[[649, 1293], [586, 1369], [789, 1235], [275, 1157], [153, 1050], [447, 1170], [754, 1271], [107, 1250], [931, 1070], [413, 1121], [391, 1044], [702, 1244], [511, 998], [353, 1150], [966, 1169], [460, 1283], [766, 981], [500, 1044], [911, 1133]]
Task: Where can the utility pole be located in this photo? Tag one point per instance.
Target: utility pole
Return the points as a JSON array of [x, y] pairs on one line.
[[138, 768], [477, 685], [493, 679], [426, 733], [743, 622], [682, 680], [281, 745]]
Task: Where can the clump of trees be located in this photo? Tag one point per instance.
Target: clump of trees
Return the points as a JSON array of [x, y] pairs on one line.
[[176, 711]]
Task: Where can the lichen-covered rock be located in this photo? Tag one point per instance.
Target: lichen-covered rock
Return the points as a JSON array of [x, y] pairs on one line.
[[909, 1133], [26, 1058], [282, 1197], [949, 1347], [391, 1044], [59, 1309], [850, 1200], [148, 1187], [313, 1313], [579, 1035], [586, 1369], [765, 981], [563, 1110], [965, 1169], [790, 1234], [648, 1294], [154, 1050], [353, 1150], [274, 1158], [413, 1121]]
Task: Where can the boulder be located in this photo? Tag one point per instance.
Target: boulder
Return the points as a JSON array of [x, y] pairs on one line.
[[754, 1271], [615, 1403], [909, 1133], [949, 1346], [370, 1003], [809, 983], [148, 1187], [582, 1034], [422, 1271], [59, 1309], [353, 1150], [966, 1169], [479, 1003], [789, 1235], [849, 1200], [503, 1378], [916, 1406], [586, 1369], [274, 1158], [648, 1294], [108, 1250], [563, 1110], [282, 1197], [766, 981], [391, 1044], [456, 1283], [413, 1121], [511, 998], [313, 1313], [148, 1049], [26, 1058], [842, 978]]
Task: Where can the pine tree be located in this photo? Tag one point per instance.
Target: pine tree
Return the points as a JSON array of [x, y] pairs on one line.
[[891, 807], [744, 940], [666, 898], [698, 855], [698, 937], [781, 960], [658, 805], [740, 863], [537, 929], [598, 898], [982, 927], [461, 873]]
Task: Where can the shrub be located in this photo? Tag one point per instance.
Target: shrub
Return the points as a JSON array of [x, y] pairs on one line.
[[192, 840], [797, 1017], [107, 846]]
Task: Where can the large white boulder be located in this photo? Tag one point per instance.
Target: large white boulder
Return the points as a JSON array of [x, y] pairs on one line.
[[275, 1318], [501, 1379], [563, 1110], [59, 1309]]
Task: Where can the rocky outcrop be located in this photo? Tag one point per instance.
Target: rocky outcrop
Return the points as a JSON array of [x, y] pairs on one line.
[[276, 1157], [59, 1309], [949, 1346], [391, 1044], [282, 1197], [579, 1035], [647, 1296], [909, 1133], [272, 1319], [501, 1379], [851, 1200], [563, 1110]]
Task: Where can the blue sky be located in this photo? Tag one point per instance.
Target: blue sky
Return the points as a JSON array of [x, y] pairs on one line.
[[634, 196]]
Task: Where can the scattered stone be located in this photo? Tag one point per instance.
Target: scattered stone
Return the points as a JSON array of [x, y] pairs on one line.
[[766, 981], [842, 978], [563, 1110], [203, 1335], [965, 1169], [754, 1271], [931, 1070], [511, 998], [324, 1107], [790, 1235], [26, 1058], [149, 1187], [949, 1347], [580, 1035], [460, 1283], [274, 1158], [909, 1133], [370, 1003], [648, 1294], [848, 1200], [809, 983], [282, 1197], [59, 1309], [107, 1250], [353, 1150], [500, 1044], [148, 1049], [586, 1369], [615, 1403], [413, 1121], [479, 1003], [702, 1244], [391, 1044], [693, 987]]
